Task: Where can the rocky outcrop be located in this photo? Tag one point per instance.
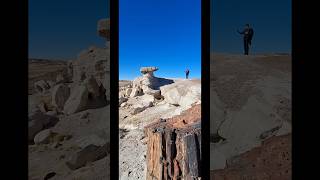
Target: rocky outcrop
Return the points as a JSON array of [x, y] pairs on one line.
[[174, 147], [87, 95], [39, 122], [60, 95], [42, 86], [145, 102], [181, 93], [43, 137], [90, 153], [272, 160]]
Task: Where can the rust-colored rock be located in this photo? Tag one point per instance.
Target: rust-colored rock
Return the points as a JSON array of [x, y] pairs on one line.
[[270, 161], [173, 150]]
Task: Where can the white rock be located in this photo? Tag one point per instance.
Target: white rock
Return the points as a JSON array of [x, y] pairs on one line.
[[90, 139], [128, 91], [137, 91], [77, 100], [122, 100], [217, 159], [41, 86], [60, 95], [43, 137]]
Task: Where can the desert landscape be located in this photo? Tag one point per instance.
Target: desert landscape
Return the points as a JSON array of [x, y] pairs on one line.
[[250, 101], [69, 115], [159, 122]]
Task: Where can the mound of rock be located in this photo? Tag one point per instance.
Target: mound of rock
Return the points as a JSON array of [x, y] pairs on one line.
[[182, 93], [87, 95], [39, 122], [145, 84]]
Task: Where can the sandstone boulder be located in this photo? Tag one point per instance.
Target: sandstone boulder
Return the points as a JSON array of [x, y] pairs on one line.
[[182, 93], [136, 91], [41, 86], [60, 95], [38, 122], [90, 153], [122, 100], [93, 87], [77, 100], [43, 137], [148, 70], [87, 95], [144, 102], [90, 139], [128, 92]]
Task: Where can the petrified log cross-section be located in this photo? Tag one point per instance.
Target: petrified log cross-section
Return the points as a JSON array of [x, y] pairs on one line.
[[174, 147]]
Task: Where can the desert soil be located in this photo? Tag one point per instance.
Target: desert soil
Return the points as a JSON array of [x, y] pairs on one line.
[[251, 104]]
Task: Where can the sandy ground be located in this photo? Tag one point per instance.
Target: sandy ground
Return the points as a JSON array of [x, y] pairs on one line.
[[250, 101]]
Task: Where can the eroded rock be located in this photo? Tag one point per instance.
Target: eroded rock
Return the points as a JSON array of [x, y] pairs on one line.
[[39, 122], [90, 153], [60, 95]]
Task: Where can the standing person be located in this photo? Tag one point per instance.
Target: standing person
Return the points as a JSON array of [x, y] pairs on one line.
[[187, 73], [247, 37]]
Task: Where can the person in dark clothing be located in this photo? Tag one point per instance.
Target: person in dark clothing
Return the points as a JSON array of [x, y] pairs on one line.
[[247, 38], [187, 73]]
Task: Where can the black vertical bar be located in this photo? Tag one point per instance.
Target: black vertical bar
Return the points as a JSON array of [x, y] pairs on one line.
[[205, 88], [114, 89]]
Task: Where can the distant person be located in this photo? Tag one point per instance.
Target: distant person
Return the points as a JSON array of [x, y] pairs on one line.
[[187, 73], [247, 38]]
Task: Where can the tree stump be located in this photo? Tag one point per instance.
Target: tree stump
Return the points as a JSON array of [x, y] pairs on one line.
[[174, 147]]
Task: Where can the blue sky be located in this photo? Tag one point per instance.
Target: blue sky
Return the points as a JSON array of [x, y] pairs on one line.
[[60, 29], [162, 33], [271, 20]]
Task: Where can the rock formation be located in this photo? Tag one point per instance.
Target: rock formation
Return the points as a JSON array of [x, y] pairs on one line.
[[169, 148], [69, 115]]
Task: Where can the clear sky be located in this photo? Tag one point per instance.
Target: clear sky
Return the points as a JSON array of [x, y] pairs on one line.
[[162, 33], [60, 29], [271, 20]]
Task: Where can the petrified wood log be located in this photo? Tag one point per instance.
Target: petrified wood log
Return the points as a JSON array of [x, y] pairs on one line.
[[174, 147]]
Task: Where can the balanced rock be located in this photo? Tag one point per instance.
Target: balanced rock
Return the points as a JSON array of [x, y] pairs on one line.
[[148, 70]]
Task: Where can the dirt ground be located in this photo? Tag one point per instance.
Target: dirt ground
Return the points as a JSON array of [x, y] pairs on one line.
[[252, 105]]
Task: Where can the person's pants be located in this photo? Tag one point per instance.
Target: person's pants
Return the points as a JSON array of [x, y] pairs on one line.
[[187, 76], [246, 46]]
